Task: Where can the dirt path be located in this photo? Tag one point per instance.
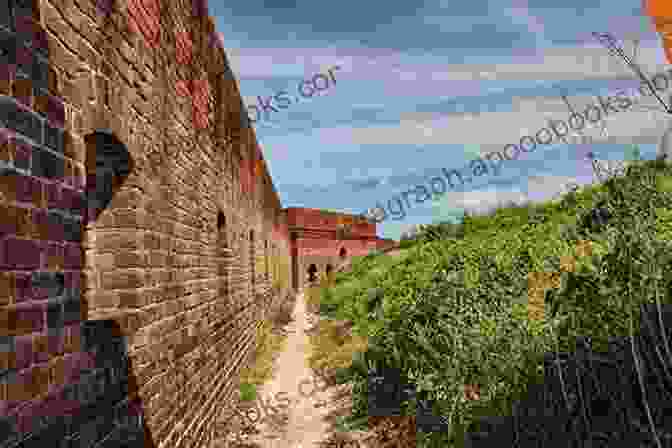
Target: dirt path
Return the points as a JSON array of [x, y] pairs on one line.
[[305, 422]]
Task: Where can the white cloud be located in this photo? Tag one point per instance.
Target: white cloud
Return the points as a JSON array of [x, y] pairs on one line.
[[492, 130]]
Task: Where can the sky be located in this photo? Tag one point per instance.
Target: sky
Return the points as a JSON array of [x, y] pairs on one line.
[[430, 84]]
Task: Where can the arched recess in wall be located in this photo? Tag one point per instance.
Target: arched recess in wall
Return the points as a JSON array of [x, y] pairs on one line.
[[252, 261], [221, 229], [342, 253], [108, 164], [312, 270], [221, 255], [266, 264]]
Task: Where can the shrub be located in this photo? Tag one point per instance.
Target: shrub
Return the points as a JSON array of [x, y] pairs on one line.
[[405, 244], [454, 311]]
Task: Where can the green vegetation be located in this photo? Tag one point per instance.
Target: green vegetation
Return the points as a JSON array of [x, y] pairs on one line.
[[248, 392], [269, 341], [454, 311]]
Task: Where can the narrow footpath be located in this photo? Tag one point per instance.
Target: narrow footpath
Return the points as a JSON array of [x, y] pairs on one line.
[[302, 406]]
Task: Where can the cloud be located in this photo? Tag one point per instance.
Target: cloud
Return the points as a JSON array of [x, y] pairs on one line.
[[363, 184], [478, 201], [492, 130]]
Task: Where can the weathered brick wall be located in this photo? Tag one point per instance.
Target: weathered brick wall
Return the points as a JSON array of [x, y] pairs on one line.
[[144, 302], [323, 252], [317, 240]]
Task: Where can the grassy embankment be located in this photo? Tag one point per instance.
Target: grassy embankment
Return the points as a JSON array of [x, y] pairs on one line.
[[468, 319]]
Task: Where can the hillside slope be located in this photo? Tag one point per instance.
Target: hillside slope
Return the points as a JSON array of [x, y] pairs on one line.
[[482, 311]]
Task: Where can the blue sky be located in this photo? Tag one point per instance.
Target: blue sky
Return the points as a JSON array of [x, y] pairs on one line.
[[430, 85]]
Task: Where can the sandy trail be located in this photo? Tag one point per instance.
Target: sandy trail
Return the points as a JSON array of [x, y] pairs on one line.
[[304, 422]]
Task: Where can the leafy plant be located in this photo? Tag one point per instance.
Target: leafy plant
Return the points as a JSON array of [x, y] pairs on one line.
[[434, 232], [453, 312], [248, 392]]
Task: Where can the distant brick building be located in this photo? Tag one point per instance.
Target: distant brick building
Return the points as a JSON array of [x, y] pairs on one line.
[[321, 241]]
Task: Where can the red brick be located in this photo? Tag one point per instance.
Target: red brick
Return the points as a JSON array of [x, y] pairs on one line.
[[69, 173], [75, 363], [73, 342], [8, 225], [40, 348], [73, 279], [141, 20], [26, 318], [55, 255], [28, 189], [23, 291], [52, 195], [54, 228], [44, 254], [57, 373], [6, 146], [183, 88], [72, 367], [72, 201], [40, 226], [21, 254], [26, 415], [23, 92], [54, 405], [24, 222], [22, 155], [24, 351], [56, 111], [122, 279], [6, 288], [22, 389], [56, 342], [184, 47], [73, 256], [53, 83], [80, 179]]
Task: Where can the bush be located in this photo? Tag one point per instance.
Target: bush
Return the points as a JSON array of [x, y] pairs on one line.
[[405, 244], [248, 392], [455, 310], [444, 230]]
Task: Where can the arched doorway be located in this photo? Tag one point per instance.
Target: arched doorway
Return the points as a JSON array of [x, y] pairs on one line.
[[328, 269], [342, 253], [312, 270]]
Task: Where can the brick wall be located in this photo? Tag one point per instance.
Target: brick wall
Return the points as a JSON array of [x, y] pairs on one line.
[[317, 240], [310, 219], [127, 300]]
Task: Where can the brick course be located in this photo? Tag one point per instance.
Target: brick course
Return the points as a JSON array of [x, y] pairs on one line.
[[315, 240]]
